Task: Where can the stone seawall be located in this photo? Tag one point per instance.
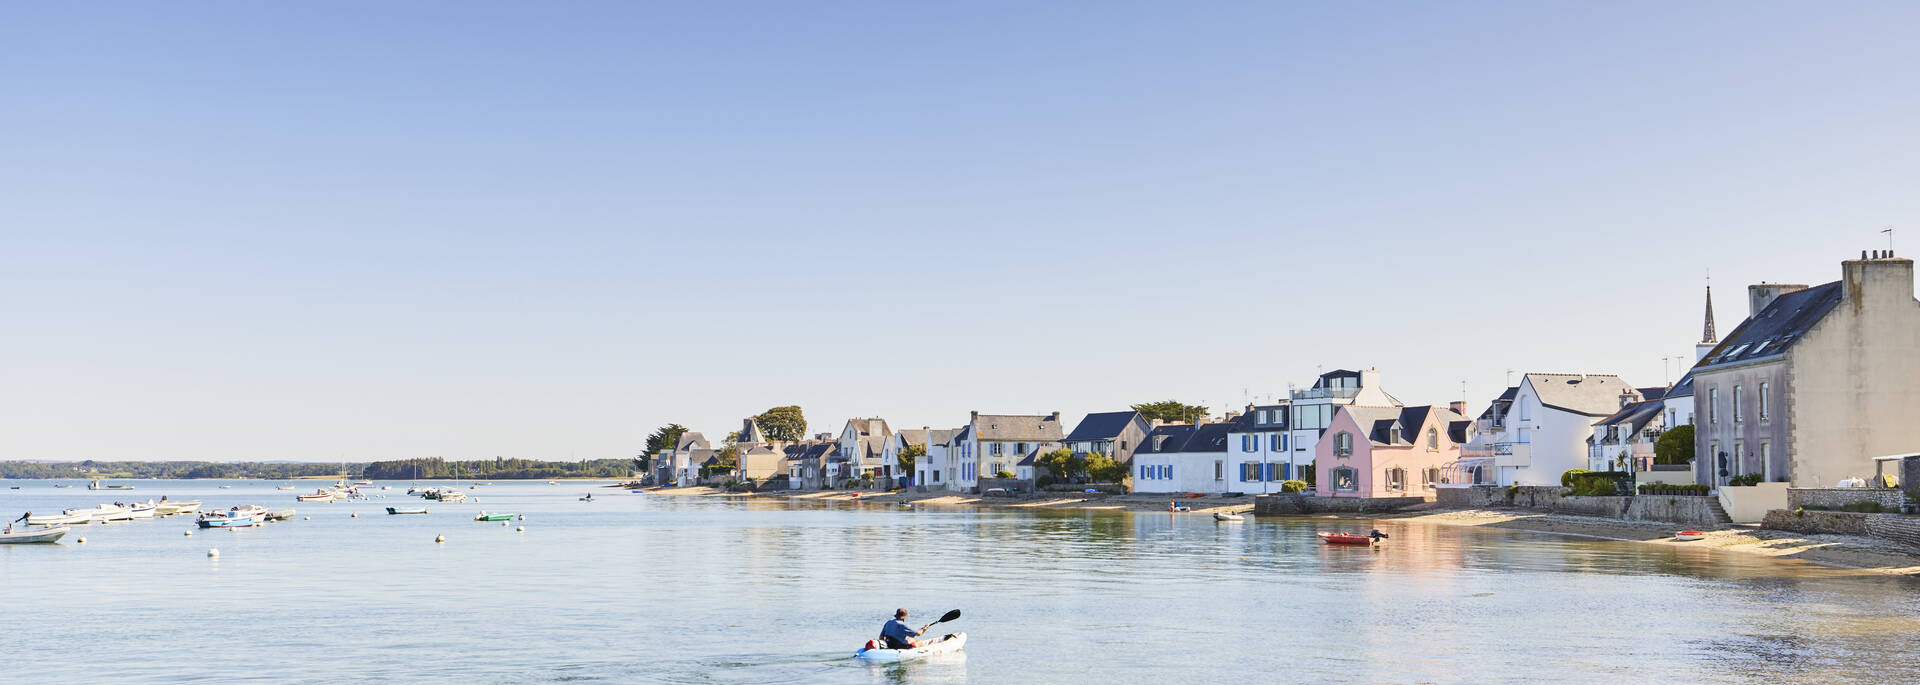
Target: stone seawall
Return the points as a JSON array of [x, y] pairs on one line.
[[1817, 522], [1682, 509], [1295, 504], [1901, 529], [1835, 498]]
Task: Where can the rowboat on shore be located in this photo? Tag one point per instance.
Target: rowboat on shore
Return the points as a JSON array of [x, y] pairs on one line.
[[406, 510], [1690, 535], [484, 516], [37, 535]]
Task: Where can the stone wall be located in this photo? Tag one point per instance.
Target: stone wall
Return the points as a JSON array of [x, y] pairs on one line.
[[1292, 503], [1827, 522], [1902, 529], [1835, 498], [1682, 509], [1011, 485], [1471, 497]]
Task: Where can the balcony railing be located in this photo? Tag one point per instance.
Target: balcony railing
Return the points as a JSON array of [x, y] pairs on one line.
[[1324, 393]]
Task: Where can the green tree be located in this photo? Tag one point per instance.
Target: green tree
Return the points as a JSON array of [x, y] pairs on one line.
[[665, 438], [1104, 469], [1062, 464], [908, 455], [1171, 411], [783, 423], [1675, 446]]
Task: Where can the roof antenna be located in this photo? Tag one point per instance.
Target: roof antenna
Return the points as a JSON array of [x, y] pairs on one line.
[[1509, 378], [1889, 231]]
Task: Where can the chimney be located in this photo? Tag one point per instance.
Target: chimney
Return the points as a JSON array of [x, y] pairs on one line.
[[1055, 416], [1458, 407], [1880, 280], [1158, 422], [1759, 296], [1231, 416]]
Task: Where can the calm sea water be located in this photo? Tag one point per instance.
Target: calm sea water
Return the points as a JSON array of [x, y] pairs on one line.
[[644, 588]]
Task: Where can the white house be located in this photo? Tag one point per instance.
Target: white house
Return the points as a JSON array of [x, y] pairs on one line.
[[862, 442], [1538, 430], [1624, 440], [1260, 451], [1311, 411], [1181, 458], [955, 458], [1000, 442], [930, 470], [680, 466]]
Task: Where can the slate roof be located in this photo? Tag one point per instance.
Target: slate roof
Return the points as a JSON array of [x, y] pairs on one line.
[[1177, 435], [1457, 431], [928, 436], [1019, 427], [962, 436], [1684, 388], [1635, 416], [1506, 397], [1775, 329], [1379, 423], [691, 440], [1590, 394], [1249, 422], [1652, 393], [1102, 426]]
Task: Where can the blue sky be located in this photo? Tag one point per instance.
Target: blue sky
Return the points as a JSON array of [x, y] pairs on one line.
[[277, 231]]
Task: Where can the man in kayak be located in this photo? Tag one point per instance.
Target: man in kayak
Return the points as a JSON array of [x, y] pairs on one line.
[[896, 634]]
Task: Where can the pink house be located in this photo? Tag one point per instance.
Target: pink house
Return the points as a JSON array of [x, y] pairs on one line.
[[1387, 451]]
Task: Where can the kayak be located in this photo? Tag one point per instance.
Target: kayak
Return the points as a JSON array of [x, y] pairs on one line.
[[946, 645]]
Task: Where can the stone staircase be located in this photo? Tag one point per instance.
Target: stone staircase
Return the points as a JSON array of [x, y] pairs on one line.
[[1720, 517]]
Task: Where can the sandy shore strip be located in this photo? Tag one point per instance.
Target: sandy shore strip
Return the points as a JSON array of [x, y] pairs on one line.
[[1842, 551]]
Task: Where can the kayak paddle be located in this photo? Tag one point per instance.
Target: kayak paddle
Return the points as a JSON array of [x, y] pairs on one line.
[[949, 616]]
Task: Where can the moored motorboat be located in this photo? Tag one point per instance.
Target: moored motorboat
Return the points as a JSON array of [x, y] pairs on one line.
[[320, 496], [96, 485], [946, 645], [142, 510], [484, 516], [1352, 538], [1690, 535], [186, 507], [406, 510], [62, 485], [35, 535], [237, 517], [63, 519], [280, 515]]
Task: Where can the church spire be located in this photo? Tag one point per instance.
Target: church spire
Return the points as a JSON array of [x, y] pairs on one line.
[[1707, 336]]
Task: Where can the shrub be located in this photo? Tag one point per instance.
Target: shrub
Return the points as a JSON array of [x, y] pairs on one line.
[[1293, 485], [1799, 511], [1003, 473], [1598, 487], [1746, 480], [1566, 479], [1863, 508], [1043, 481]]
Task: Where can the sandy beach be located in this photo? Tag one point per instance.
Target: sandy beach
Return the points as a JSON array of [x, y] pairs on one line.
[[1842, 551]]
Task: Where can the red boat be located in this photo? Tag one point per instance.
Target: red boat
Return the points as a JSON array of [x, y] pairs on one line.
[[1352, 538]]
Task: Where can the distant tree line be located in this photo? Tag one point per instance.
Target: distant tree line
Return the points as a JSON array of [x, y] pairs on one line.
[[167, 469], [500, 468]]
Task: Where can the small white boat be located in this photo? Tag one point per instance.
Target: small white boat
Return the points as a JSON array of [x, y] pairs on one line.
[[59, 519], [37, 535], [171, 508], [143, 510], [283, 487], [946, 645], [1217, 516], [1690, 535], [280, 515]]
